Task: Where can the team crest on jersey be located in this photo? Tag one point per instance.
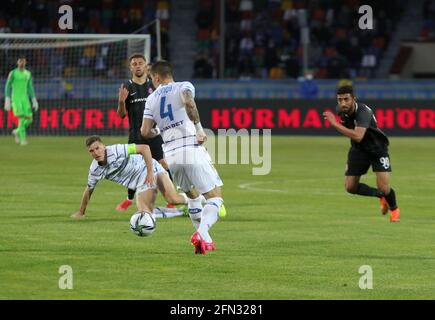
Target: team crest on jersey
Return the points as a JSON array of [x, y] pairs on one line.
[[116, 164]]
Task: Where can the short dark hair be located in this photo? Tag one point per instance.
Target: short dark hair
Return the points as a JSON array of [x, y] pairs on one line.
[[21, 57], [345, 89], [90, 140], [135, 56], [163, 68]]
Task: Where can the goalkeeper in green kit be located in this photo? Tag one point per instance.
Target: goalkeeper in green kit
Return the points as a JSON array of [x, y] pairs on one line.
[[18, 90]]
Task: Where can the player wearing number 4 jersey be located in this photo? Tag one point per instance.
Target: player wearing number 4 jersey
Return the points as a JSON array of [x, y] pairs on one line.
[[369, 146], [172, 107]]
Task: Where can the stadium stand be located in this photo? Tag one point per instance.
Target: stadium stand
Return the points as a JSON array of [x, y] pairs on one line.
[[262, 44], [263, 38], [427, 32], [99, 16]]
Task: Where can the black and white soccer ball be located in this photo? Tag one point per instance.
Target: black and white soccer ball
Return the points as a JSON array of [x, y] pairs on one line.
[[142, 223]]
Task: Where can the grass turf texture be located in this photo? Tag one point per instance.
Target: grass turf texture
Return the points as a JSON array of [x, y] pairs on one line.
[[292, 234]]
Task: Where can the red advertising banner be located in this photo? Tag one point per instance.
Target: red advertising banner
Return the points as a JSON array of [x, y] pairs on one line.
[[305, 116], [78, 117]]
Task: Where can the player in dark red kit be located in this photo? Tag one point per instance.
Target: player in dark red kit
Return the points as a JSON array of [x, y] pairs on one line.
[[369, 146]]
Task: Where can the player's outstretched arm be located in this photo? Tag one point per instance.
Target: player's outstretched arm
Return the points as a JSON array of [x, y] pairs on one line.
[[83, 204], [122, 96], [193, 114], [145, 151]]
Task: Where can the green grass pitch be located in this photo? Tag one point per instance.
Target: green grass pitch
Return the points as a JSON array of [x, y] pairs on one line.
[[292, 234]]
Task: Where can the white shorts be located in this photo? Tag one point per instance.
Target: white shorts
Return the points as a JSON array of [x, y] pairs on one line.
[[193, 168], [157, 169]]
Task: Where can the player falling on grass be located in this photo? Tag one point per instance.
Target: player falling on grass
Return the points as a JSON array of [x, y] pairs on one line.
[[131, 101], [172, 107], [369, 146], [18, 90], [128, 165]]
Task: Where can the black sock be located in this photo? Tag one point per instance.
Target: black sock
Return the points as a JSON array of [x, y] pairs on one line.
[[170, 175], [365, 190], [131, 193], [391, 199]]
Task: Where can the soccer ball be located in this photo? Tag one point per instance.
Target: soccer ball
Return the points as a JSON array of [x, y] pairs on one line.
[[142, 224]]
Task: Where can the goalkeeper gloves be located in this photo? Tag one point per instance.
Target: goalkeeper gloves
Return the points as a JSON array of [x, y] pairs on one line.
[[35, 104], [7, 103]]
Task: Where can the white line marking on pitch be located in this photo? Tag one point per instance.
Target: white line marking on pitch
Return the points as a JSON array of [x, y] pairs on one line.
[[249, 186]]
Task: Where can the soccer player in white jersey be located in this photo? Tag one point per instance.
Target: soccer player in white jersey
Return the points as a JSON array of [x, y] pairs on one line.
[[172, 107], [127, 165]]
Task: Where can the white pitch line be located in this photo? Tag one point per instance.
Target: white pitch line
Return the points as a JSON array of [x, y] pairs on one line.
[[249, 186]]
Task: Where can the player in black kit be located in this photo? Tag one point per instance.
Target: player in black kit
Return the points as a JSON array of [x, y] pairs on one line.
[[369, 146], [131, 101]]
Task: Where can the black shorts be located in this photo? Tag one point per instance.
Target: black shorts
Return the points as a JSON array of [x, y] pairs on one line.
[[155, 145], [359, 161]]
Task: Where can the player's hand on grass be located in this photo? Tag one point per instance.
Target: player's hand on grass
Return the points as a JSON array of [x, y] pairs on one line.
[[201, 136], [123, 93], [77, 215], [7, 104], [328, 115], [35, 104]]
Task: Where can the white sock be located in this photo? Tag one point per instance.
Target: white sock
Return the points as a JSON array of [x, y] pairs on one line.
[[203, 199], [195, 211], [161, 212], [210, 215], [186, 199]]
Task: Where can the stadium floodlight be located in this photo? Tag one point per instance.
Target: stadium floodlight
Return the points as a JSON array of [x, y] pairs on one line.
[[76, 78]]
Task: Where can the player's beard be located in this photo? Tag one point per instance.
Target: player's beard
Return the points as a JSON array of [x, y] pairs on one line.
[[348, 110], [139, 74], [345, 110]]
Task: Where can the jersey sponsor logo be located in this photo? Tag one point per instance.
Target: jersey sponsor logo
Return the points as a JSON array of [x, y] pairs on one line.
[[139, 100], [173, 125]]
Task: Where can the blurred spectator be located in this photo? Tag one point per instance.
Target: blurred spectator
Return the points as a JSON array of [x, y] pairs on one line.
[[98, 16], [272, 28], [246, 45], [203, 67], [427, 32], [345, 81], [309, 88]]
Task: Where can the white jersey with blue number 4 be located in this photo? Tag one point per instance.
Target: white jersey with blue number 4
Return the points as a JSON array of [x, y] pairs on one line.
[[189, 163], [165, 106]]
